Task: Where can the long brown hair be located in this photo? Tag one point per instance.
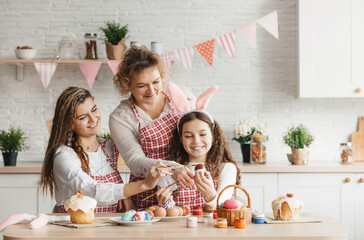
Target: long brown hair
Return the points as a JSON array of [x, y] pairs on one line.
[[136, 60], [64, 116], [219, 152]]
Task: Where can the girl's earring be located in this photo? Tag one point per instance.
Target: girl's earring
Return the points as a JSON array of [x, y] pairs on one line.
[[69, 139]]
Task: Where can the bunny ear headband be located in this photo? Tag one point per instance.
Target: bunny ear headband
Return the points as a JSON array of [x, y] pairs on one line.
[[182, 104]]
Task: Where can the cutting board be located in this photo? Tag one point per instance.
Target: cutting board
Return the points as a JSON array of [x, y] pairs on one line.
[[357, 139]]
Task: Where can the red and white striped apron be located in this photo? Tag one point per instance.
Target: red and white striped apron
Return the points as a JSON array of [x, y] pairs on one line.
[[155, 140], [190, 197], [113, 177]]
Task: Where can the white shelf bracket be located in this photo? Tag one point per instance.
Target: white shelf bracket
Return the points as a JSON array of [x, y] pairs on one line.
[[19, 71]]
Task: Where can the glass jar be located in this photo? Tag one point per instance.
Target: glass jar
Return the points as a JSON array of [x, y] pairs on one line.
[[240, 223], [258, 149], [90, 40], [156, 47], [346, 152], [65, 50], [221, 223]]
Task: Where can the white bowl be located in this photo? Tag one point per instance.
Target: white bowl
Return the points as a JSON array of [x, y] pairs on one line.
[[25, 53]]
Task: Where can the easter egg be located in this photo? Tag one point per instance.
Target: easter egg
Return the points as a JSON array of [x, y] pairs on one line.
[[151, 215], [152, 208], [232, 204], [160, 212], [173, 212], [180, 211], [186, 209]]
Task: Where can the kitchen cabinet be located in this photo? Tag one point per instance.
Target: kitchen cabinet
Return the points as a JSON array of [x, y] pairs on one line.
[[331, 194], [331, 49], [359, 205], [262, 189]]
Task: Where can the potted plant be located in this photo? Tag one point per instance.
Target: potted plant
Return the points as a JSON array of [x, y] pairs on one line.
[[299, 139], [11, 142], [115, 39], [243, 132]]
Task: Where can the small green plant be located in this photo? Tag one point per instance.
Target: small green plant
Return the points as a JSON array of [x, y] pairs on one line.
[[114, 32], [13, 140], [104, 136], [298, 137]]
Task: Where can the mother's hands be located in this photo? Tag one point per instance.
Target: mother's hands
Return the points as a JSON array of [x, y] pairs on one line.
[[156, 172], [205, 185], [184, 176]]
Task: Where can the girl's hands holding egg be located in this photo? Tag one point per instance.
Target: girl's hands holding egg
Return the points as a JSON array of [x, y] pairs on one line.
[[205, 185]]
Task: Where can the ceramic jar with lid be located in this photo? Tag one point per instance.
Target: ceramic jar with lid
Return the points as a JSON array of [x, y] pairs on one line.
[[258, 149], [346, 152]]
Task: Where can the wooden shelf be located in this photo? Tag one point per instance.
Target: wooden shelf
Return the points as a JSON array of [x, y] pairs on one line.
[[20, 63], [68, 61]]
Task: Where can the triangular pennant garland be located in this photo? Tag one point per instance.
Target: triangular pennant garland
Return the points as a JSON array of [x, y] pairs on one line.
[[45, 71], [185, 57], [114, 64], [167, 58], [270, 23], [206, 49], [249, 34], [90, 71], [227, 41]]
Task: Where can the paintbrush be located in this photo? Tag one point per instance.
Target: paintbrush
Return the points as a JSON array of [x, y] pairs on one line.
[[156, 193]]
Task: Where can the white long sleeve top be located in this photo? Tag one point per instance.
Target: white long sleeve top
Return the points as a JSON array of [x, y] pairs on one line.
[[70, 178]]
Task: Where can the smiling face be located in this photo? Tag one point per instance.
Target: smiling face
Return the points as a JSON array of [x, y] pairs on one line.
[[196, 139], [146, 86], [87, 122]]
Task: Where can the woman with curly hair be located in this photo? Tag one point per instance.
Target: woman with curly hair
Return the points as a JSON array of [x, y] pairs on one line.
[[198, 139], [142, 124]]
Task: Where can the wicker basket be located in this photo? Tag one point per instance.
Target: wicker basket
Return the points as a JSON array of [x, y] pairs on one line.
[[232, 214]]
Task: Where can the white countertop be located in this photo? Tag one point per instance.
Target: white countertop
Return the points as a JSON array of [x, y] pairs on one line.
[[270, 167]]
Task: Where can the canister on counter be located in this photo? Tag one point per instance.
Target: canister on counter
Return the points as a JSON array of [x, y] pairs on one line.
[[221, 223], [191, 222], [240, 223], [346, 152], [136, 43], [259, 218]]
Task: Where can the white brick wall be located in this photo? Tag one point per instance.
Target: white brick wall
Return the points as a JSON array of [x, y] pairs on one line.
[[261, 82]]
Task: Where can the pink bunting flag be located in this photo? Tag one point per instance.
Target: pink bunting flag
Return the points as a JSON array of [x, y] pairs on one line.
[[185, 56], [167, 58], [249, 34], [114, 64], [270, 23], [90, 70], [45, 71], [206, 49], [227, 41]]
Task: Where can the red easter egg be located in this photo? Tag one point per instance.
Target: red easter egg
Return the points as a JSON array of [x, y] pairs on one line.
[[199, 166], [231, 204]]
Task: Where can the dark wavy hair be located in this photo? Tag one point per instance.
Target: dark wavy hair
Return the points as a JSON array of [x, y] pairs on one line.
[[219, 152], [64, 116]]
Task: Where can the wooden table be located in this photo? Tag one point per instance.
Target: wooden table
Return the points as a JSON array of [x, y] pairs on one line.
[[328, 229]]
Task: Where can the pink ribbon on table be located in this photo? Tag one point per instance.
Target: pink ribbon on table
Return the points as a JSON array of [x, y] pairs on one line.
[[90, 70]]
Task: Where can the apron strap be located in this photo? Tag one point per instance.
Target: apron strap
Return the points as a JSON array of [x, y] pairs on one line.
[[113, 161]]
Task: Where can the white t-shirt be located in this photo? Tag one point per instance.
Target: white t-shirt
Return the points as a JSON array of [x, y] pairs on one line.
[[70, 178]]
